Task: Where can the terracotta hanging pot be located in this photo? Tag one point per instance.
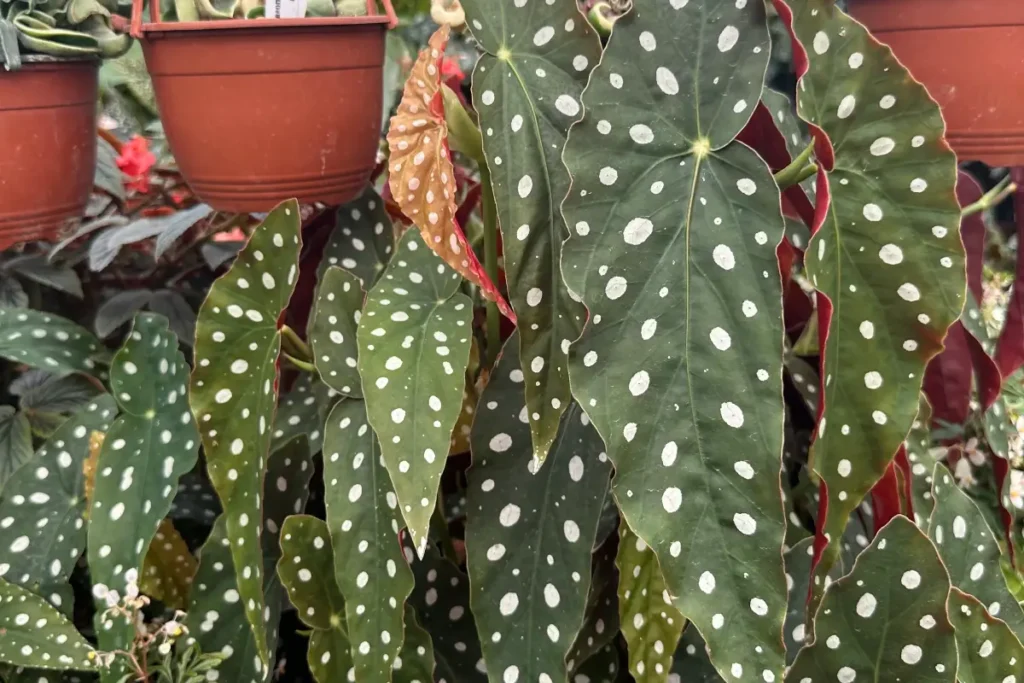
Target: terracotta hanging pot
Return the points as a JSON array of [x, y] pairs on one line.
[[970, 55], [47, 146], [257, 111]]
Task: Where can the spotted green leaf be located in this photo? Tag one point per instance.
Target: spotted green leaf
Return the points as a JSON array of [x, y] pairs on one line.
[[301, 412], [234, 388], [989, 650], [441, 600], [48, 342], [523, 513], [37, 635], [680, 366], [887, 257], [691, 661], [414, 339], [217, 619], [306, 570], [922, 463], [527, 86], [363, 520], [50, 487], [604, 667], [887, 615], [332, 334], [969, 550], [601, 621], [362, 239], [15, 442], [146, 450], [650, 623], [416, 661]]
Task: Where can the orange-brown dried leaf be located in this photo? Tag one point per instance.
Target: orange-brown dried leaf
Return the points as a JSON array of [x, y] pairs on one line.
[[422, 176], [168, 568], [89, 467]]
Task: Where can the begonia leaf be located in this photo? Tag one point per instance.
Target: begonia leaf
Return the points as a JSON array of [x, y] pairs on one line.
[[526, 514], [887, 616], [145, 451], [48, 342], [50, 487], [38, 636], [234, 388], [674, 228], [526, 88], [332, 333], [885, 258], [414, 338], [362, 239], [603, 667], [15, 442], [691, 659], [300, 412], [168, 567], [650, 624], [970, 550], [601, 621], [922, 463], [989, 650], [217, 619], [422, 175], [363, 519], [441, 592]]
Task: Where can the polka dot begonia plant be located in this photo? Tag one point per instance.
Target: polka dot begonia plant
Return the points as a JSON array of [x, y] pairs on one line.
[[627, 368]]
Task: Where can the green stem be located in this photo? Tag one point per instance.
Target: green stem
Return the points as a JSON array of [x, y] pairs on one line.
[[799, 170], [292, 339], [992, 198], [300, 364], [490, 213]]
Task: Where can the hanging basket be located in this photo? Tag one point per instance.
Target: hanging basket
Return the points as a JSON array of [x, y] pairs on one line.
[[47, 146], [970, 55], [261, 110]]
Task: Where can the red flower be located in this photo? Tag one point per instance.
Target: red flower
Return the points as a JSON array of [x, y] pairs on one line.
[[233, 235], [135, 162], [450, 72]]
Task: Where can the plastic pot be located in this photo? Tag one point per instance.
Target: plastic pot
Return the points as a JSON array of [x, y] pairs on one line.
[[47, 146], [262, 110], [970, 55]]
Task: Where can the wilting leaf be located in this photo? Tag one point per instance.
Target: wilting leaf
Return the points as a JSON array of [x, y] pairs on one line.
[[12, 294], [649, 622], [234, 388], [363, 520], [105, 248], [332, 332], [970, 551], [362, 239], [46, 341], [50, 487], [119, 309], [522, 513], [441, 592], [146, 450], [422, 176], [183, 222], [168, 568], [887, 615], [886, 258], [217, 619], [674, 227], [36, 635], [527, 89], [15, 442], [989, 651], [414, 339]]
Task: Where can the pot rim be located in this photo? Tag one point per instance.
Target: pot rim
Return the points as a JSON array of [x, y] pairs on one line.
[[253, 25]]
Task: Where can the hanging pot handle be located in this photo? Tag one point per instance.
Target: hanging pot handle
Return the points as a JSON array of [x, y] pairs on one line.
[[371, 9]]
